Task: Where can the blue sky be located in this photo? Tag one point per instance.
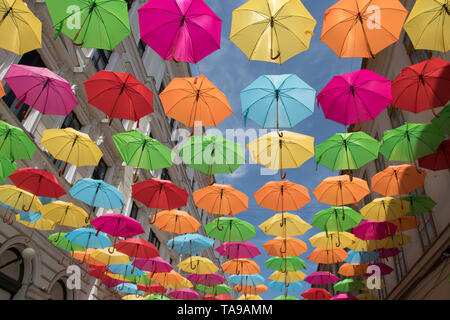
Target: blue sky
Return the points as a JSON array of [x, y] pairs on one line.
[[231, 71]]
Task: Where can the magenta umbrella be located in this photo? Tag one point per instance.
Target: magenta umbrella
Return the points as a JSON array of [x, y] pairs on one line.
[[41, 89], [355, 97], [209, 280], [384, 268], [387, 253], [117, 225], [237, 250], [111, 283], [321, 277], [344, 296], [180, 30], [184, 294], [371, 230], [153, 265]]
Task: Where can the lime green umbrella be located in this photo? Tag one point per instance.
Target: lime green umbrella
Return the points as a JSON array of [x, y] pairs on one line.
[[64, 243], [14, 143], [347, 151], [214, 290], [230, 229], [336, 219], [286, 298], [348, 285], [141, 151], [100, 24], [443, 121], [7, 167], [285, 264], [212, 154], [143, 279], [157, 297], [410, 142], [419, 204]]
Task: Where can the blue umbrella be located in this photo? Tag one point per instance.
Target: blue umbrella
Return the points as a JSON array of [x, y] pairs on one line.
[[190, 243], [89, 238], [280, 286], [129, 288], [126, 269], [30, 216], [361, 257], [278, 101], [248, 280], [97, 193]]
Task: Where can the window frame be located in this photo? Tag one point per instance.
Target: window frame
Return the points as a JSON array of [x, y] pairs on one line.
[[8, 284], [101, 55], [98, 165]]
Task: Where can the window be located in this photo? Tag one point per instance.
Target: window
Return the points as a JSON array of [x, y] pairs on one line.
[[152, 238], [141, 48], [11, 273], [71, 121], [396, 117], [100, 58], [100, 170], [165, 174], [58, 291], [134, 211], [400, 266], [416, 56]]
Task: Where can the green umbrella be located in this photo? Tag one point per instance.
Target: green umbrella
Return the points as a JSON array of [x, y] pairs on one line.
[[14, 143], [336, 219], [230, 229], [157, 297], [141, 151], [214, 290], [347, 151], [410, 142], [7, 167], [100, 24], [443, 121], [286, 298], [58, 240], [419, 204], [140, 279], [212, 154], [285, 264], [348, 285]]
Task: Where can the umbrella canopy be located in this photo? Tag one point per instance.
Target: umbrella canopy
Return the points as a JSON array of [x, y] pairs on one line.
[[106, 257], [159, 194], [15, 143], [184, 294], [126, 269], [406, 223], [157, 297], [334, 219], [60, 241], [384, 268], [7, 167], [175, 221], [191, 100], [285, 246], [240, 266], [281, 286], [41, 224], [316, 294], [382, 209], [20, 30], [397, 240], [230, 229], [272, 31], [153, 265], [218, 297], [422, 86], [198, 265], [287, 277], [355, 97], [426, 25], [88, 238], [419, 204], [278, 101], [251, 290], [171, 279], [132, 297], [285, 264], [128, 288], [214, 290], [397, 180], [321, 277], [180, 30], [324, 256], [111, 283], [284, 224], [17, 199], [221, 199], [118, 225], [443, 121], [387, 253], [440, 160], [282, 150], [2, 91], [38, 182], [352, 270], [246, 280], [282, 195], [206, 279], [249, 297], [348, 285], [41, 89], [152, 288], [236, 250], [366, 245], [65, 214], [371, 230], [137, 248], [100, 24], [331, 240], [344, 296], [30, 216], [119, 95], [351, 30], [190, 243]]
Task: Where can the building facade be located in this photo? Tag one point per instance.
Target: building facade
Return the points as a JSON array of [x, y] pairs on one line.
[[43, 275]]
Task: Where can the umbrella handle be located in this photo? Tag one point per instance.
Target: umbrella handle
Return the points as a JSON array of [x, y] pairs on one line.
[[282, 174], [193, 267], [109, 250], [219, 227], [152, 220], [437, 115], [271, 54]]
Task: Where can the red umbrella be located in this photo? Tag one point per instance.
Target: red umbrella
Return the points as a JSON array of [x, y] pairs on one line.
[[422, 86], [218, 297], [440, 160], [111, 283], [152, 288], [119, 95], [316, 294], [384, 269], [137, 248], [159, 194], [209, 280], [38, 182], [184, 294], [386, 253], [98, 272]]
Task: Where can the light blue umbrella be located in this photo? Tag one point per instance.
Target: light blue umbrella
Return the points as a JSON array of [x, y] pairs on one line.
[[278, 101], [246, 280], [30, 216], [280, 286], [89, 238], [126, 269], [190, 243], [129, 288], [361, 257]]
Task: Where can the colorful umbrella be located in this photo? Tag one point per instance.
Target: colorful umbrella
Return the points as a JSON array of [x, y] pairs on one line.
[[88, 238], [366, 245], [230, 229], [406, 223], [361, 257], [371, 230], [280, 286], [206, 279], [397, 180], [251, 290], [333, 219], [41, 89], [218, 297], [344, 296], [106, 257], [129, 288], [382, 209], [285, 264], [153, 265], [321, 277], [198, 265], [7, 167], [157, 297], [246, 279], [440, 160], [221, 199], [126, 269], [15, 143], [249, 297], [175, 221], [352, 270], [100, 24], [17, 199], [137, 248], [159, 194], [355, 97], [180, 30], [357, 29], [184, 294], [272, 32], [348, 285], [132, 297], [38, 182], [64, 243], [443, 121], [41, 224], [384, 268], [278, 101], [240, 266], [20, 30], [387, 253], [419, 204], [316, 294], [2, 91], [285, 246], [190, 243], [214, 290], [140, 151], [284, 224], [287, 277], [331, 240], [152, 288], [328, 257], [236, 250]]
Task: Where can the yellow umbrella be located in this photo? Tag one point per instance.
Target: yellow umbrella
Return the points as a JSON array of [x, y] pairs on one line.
[[71, 146], [249, 297], [41, 224], [272, 31], [332, 241], [386, 208], [397, 240], [366, 245], [16, 198], [132, 297], [280, 150], [287, 277], [20, 30], [116, 276], [367, 296], [284, 225], [183, 284], [426, 25], [105, 257], [198, 265]]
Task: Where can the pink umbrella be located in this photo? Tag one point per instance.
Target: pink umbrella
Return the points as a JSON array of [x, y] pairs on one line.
[[209, 280], [117, 225], [184, 294], [153, 265], [111, 283], [184, 30], [321, 277], [41, 89], [237, 250], [386, 253], [371, 230], [355, 97], [344, 296], [384, 268]]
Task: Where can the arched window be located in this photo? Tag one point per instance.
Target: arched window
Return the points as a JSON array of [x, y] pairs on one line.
[[58, 291], [11, 273]]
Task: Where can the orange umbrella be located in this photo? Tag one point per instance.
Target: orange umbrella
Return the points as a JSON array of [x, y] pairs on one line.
[[221, 199], [282, 195], [85, 256], [2, 90], [240, 266], [167, 278], [396, 180], [352, 270], [281, 247], [195, 99], [253, 290], [362, 28], [323, 256], [406, 223]]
